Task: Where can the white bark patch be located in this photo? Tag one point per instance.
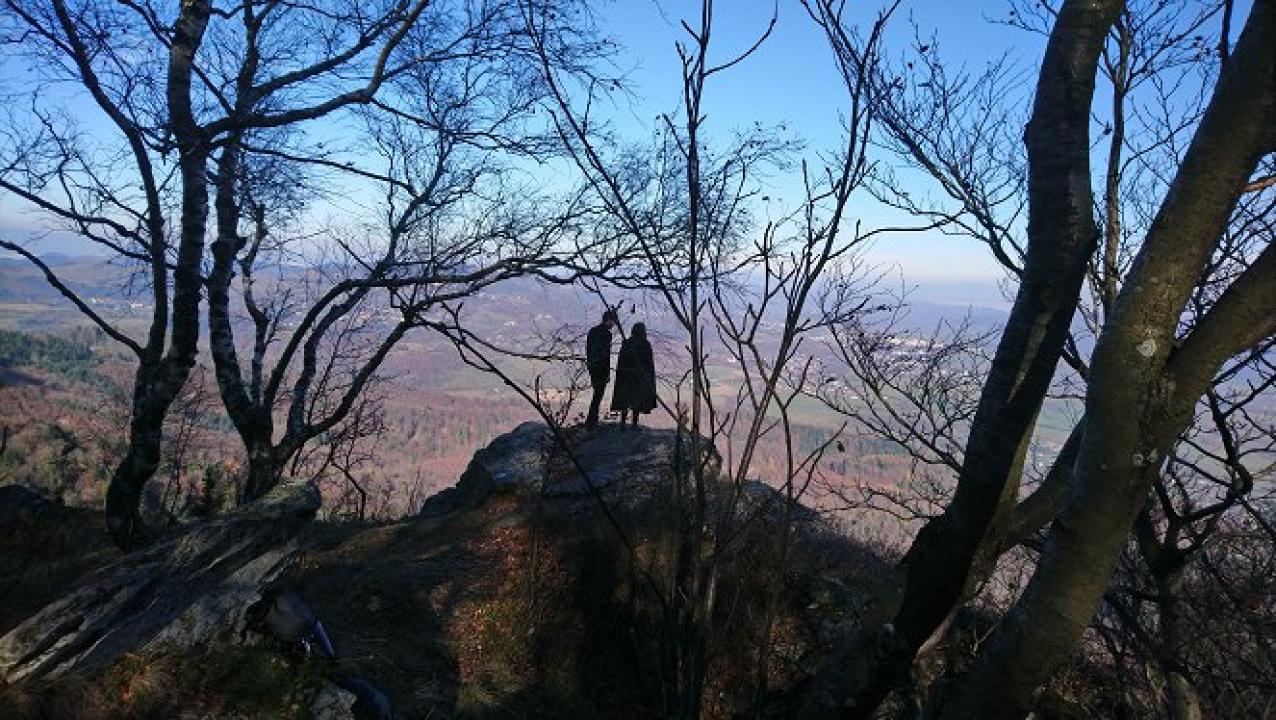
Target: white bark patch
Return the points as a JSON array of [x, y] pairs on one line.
[[1147, 348]]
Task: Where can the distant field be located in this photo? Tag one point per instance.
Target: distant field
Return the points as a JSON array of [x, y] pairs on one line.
[[33, 316], [440, 410], [53, 317]]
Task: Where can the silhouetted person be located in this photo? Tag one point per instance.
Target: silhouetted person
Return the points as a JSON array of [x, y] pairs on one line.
[[635, 376], [598, 362]]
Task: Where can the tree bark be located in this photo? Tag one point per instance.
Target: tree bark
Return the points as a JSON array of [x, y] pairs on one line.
[[1136, 403], [159, 380], [250, 415], [1062, 238], [265, 469], [1183, 700], [141, 459]]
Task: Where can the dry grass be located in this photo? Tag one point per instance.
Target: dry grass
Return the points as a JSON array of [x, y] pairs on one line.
[[225, 681]]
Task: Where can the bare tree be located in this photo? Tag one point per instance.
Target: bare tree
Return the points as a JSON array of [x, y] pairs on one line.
[[938, 564], [443, 133], [744, 295], [446, 95], [955, 550], [140, 187]]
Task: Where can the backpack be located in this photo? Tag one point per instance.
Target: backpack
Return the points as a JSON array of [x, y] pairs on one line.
[[283, 615]]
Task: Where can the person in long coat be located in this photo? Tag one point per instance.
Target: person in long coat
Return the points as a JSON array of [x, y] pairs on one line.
[[635, 389]]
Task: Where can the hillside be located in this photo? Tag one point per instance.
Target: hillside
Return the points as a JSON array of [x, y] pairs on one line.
[[525, 590], [510, 597]]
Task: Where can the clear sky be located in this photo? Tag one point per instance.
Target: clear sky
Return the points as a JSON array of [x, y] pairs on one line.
[[789, 81], [791, 78]]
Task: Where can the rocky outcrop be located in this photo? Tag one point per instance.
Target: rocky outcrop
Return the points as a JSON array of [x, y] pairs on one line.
[[177, 593], [529, 459], [330, 702], [622, 462], [512, 589]]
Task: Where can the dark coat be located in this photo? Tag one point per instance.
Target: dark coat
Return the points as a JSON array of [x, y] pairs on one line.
[[598, 354], [635, 377]]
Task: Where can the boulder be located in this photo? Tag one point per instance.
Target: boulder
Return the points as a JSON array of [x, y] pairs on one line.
[[528, 459], [176, 593]]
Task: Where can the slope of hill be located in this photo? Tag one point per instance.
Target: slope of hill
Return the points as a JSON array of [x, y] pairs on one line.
[[511, 601], [513, 596]]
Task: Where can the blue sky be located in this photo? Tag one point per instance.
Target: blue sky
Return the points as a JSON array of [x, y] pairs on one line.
[[789, 81], [791, 77]]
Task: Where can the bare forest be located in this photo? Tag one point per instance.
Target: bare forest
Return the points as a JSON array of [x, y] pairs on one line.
[[272, 261]]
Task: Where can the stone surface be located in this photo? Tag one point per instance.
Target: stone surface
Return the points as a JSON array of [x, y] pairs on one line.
[[528, 459], [331, 703], [178, 592]]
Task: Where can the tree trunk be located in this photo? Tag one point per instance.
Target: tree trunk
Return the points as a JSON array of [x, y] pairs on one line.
[[250, 416], [1144, 382], [141, 459], [1062, 238], [1184, 703], [159, 380], [265, 470]]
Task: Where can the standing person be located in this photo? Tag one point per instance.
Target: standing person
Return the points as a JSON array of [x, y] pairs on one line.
[[635, 376], [598, 362]]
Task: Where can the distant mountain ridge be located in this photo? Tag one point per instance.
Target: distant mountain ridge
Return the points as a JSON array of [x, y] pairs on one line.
[[98, 277]]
